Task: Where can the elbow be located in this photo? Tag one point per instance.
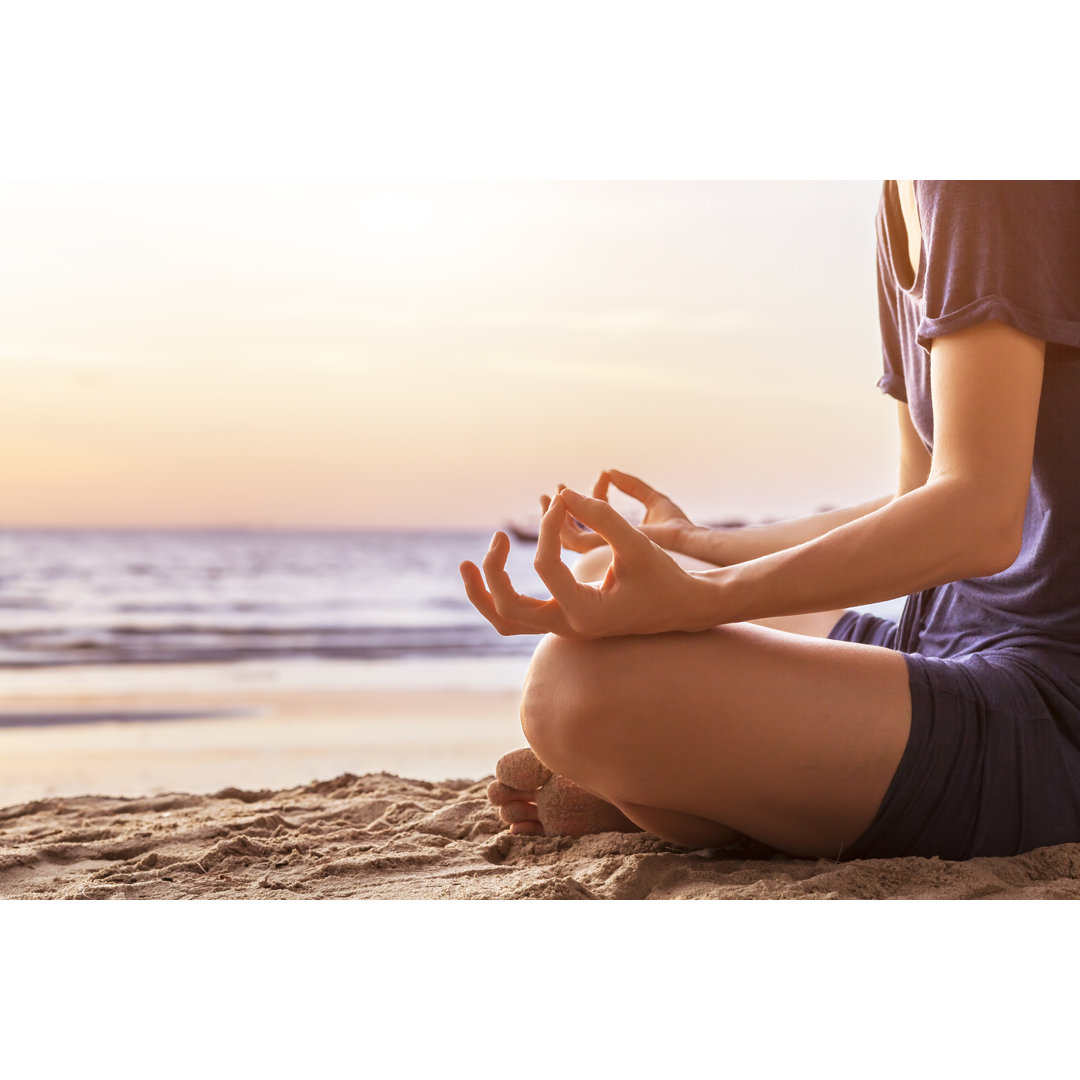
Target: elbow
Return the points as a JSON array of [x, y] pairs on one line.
[[997, 546], [985, 528], [996, 560]]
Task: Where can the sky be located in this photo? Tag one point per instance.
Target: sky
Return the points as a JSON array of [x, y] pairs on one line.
[[378, 353], [370, 265]]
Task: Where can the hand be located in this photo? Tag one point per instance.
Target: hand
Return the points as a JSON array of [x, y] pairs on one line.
[[664, 522], [644, 591], [574, 536]]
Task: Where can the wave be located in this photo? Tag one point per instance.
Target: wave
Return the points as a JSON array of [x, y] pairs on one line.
[[190, 644], [177, 596]]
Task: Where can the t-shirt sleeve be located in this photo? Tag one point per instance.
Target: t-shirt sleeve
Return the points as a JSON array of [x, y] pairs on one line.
[[1000, 250]]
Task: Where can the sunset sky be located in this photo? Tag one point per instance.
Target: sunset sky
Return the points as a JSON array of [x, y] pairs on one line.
[[363, 353]]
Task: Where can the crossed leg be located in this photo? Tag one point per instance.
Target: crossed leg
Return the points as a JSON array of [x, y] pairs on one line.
[[788, 738]]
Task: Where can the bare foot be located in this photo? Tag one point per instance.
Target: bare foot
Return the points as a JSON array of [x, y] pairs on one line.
[[533, 801]]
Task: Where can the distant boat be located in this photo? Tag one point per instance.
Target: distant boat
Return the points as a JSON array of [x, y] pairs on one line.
[[527, 534]]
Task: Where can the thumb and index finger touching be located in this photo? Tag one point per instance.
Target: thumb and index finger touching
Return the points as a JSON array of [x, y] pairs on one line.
[[628, 484], [625, 541], [604, 520], [576, 527]]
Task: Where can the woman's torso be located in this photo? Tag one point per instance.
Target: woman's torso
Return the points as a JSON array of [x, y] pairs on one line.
[[1034, 605]]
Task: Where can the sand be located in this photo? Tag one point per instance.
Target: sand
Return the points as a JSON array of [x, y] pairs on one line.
[[283, 795], [386, 837]]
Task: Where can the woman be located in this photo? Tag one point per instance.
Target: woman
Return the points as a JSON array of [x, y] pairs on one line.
[[744, 699]]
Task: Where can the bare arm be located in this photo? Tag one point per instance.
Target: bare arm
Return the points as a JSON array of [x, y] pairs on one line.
[[965, 520], [960, 517], [725, 547], [669, 527]]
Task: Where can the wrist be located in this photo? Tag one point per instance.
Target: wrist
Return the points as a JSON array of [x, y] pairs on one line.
[[711, 604], [708, 545], [690, 539]]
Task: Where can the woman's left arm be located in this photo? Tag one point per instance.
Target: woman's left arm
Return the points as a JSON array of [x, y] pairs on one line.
[[965, 521]]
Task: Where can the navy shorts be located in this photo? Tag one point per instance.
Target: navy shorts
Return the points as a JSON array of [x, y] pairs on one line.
[[992, 764]]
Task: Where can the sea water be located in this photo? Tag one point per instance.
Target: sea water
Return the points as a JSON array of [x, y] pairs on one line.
[[128, 608], [101, 610]]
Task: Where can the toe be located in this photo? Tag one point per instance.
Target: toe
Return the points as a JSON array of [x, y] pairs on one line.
[[527, 828], [515, 812], [522, 770], [499, 794]]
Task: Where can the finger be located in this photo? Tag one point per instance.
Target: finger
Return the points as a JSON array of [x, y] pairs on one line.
[[580, 540], [574, 535], [478, 595], [571, 534], [600, 488], [571, 522], [553, 572], [484, 602], [635, 488], [498, 580], [534, 616], [481, 599], [607, 522]]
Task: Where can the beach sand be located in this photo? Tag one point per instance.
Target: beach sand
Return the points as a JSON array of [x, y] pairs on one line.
[[283, 795], [234, 807], [382, 836]]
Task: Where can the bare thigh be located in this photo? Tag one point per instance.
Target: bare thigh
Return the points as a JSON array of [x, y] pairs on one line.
[[789, 739]]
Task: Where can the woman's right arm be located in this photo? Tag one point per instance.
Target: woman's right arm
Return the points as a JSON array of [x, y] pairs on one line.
[[666, 525]]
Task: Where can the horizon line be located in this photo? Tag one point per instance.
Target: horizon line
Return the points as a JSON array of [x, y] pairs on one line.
[[231, 527]]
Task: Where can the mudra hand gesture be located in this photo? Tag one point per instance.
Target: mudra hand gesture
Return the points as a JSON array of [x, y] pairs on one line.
[[644, 591], [664, 522]]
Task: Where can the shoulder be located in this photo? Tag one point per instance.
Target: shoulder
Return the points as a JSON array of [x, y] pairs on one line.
[[990, 209], [1001, 249]]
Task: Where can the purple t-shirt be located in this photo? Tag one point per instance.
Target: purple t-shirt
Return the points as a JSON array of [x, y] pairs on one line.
[[1010, 251]]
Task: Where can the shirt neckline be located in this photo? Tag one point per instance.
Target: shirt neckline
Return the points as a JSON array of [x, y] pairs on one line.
[[907, 281]]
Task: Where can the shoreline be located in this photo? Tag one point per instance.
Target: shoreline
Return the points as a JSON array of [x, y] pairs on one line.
[[255, 738]]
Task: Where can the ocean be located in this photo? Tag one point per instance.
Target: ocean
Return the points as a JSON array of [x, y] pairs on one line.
[[103, 610], [109, 607]]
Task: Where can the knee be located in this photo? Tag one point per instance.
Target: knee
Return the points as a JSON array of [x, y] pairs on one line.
[[593, 565], [562, 705]]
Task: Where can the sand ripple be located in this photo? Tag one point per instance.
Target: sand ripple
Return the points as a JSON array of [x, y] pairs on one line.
[[381, 836]]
